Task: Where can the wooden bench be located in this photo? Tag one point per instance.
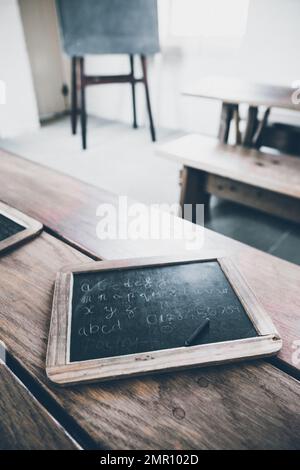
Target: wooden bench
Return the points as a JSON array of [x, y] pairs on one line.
[[261, 180], [24, 423]]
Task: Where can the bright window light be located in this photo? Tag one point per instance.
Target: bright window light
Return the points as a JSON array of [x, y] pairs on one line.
[[209, 18]]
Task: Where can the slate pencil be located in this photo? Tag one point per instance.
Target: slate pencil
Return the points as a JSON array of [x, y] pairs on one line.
[[201, 328]]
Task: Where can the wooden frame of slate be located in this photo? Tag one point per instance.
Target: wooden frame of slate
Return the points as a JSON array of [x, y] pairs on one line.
[[2, 352], [22, 227], [62, 371]]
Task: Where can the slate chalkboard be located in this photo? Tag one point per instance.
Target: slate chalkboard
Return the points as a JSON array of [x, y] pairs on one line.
[[128, 311], [8, 227], [108, 26]]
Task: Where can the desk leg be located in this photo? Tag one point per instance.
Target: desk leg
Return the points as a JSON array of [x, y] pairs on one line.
[[250, 126], [193, 190], [145, 81], [236, 114], [225, 120], [74, 106]]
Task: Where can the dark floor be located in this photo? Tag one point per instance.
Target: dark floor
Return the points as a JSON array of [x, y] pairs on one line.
[[262, 231]]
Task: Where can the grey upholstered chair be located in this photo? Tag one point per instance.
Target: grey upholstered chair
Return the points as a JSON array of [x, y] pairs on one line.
[[108, 27]]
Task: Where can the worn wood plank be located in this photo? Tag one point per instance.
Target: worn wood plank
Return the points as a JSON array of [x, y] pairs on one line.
[[24, 423], [238, 406], [227, 114], [65, 204], [278, 173], [235, 91]]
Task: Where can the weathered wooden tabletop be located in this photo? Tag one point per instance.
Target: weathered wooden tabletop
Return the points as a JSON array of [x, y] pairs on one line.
[[247, 405]]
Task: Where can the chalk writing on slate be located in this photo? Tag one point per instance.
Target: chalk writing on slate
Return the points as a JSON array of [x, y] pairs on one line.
[[128, 311], [8, 227]]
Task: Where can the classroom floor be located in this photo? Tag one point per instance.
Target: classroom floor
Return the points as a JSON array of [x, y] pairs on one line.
[[123, 160]]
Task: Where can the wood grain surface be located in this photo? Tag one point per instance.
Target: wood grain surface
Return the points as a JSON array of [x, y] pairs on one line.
[[68, 207], [24, 423], [239, 406]]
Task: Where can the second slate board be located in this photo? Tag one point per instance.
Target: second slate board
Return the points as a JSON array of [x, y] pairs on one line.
[[121, 318], [16, 227]]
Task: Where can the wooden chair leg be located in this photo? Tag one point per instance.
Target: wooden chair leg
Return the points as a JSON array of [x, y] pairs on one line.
[[133, 91], [193, 191], [236, 115], [74, 109], [145, 80], [83, 117]]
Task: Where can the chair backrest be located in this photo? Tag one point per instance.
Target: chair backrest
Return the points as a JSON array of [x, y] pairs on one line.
[[108, 26]]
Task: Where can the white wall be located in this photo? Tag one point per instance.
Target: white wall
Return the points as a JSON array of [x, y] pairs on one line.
[[269, 53], [19, 114]]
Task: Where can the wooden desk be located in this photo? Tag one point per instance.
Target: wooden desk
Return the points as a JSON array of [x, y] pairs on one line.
[[24, 423], [233, 92], [236, 406], [65, 204]]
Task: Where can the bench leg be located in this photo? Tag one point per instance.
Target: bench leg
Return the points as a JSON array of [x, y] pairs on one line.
[[193, 191], [236, 116]]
